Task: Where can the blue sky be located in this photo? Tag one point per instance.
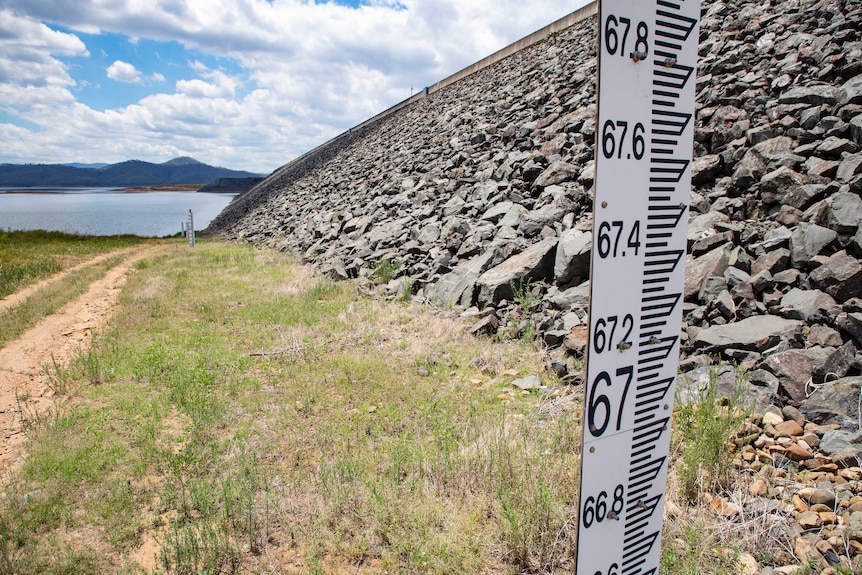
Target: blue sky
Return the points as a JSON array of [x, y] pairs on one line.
[[246, 84]]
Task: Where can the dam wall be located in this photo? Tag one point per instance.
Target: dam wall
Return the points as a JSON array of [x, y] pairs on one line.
[[478, 193]]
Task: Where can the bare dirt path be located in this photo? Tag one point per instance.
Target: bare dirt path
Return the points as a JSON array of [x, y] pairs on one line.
[[24, 384], [14, 299]]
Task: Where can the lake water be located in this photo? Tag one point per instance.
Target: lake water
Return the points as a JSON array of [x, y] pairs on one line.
[[107, 212]]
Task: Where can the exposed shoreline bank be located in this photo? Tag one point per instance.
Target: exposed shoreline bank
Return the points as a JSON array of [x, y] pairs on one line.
[[131, 190]]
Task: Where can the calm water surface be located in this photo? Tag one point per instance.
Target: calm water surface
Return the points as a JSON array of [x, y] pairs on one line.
[[106, 211]]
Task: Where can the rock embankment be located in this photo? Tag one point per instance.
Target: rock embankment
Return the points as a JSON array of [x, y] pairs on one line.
[[480, 193], [231, 185]]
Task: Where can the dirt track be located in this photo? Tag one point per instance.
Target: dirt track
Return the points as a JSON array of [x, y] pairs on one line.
[[25, 392]]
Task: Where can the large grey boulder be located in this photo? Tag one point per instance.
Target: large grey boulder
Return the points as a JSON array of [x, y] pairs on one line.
[[849, 167], [705, 168], [832, 362], [754, 333], [703, 224], [557, 173], [496, 212], [814, 95], [840, 276], [533, 222], [809, 240], [794, 370], [573, 256], [851, 324], [856, 129], [842, 213], [835, 402], [843, 446], [777, 183], [852, 91], [763, 158], [574, 297], [805, 196], [697, 270], [458, 286], [775, 261], [534, 263], [808, 305], [748, 170]]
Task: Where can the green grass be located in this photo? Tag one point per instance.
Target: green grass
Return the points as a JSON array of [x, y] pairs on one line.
[[693, 549], [274, 421], [384, 271], [28, 256]]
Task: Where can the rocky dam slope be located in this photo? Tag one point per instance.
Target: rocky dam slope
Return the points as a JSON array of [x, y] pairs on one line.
[[479, 194]]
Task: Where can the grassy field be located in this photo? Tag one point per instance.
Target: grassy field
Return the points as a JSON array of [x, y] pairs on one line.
[[28, 256], [242, 416]]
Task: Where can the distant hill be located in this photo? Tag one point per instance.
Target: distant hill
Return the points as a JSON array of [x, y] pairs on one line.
[[181, 170], [87, 166]]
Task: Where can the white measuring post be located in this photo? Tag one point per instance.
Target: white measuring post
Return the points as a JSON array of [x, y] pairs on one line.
[[190, 229], [645, 131]]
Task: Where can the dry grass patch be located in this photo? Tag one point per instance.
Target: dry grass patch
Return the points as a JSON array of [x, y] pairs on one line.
[[245, 416], [272, 421]]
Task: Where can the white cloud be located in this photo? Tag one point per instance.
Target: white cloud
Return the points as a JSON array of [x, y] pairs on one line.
[[124, 72], [28, 49], [303, 71]]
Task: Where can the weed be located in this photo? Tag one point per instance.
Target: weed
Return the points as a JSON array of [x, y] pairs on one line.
[[33, 420], [524, 294], [405, 290], [692, 549], [198, 548], [56, 376], [86, 366], [707, 421], [384, 271]]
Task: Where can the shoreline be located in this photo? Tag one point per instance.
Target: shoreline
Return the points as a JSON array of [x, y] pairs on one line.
[[190, 188]]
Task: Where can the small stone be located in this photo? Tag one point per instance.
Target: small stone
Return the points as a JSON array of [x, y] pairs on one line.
[[809, 520], [790, 412], [772, 416], [829, 517], [812, 439], [823, 497], [747, 564], [759, 487], [796, 453], [788, 429], [851, 474], [528, 383], [806, 552], [725, 508], [789, 570]]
